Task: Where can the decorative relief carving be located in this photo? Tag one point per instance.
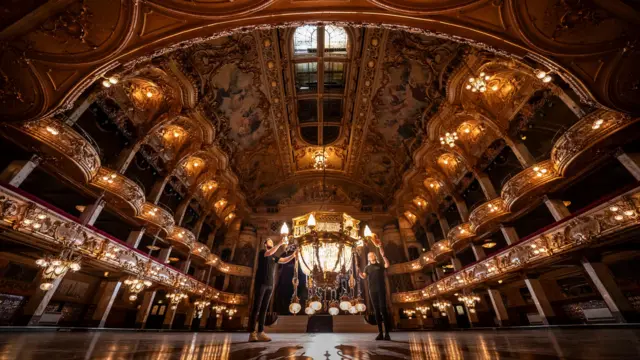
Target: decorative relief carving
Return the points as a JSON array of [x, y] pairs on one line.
[[185, 237], [43, 226], [121, 190], [619, 214]]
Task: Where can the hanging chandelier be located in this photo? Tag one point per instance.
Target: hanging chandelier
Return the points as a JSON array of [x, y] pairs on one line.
[[175, 298], [327, 243], [200, 305], [136, 286], [54, 267], [231, 312], [469, 300], [478, 84], [320, 160], [423, 310], [219, 308], [449, 139], [442, 305]]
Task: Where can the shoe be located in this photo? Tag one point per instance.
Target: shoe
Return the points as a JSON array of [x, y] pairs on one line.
[[263, 337], [253, 337], [379, 337], [387, 337]]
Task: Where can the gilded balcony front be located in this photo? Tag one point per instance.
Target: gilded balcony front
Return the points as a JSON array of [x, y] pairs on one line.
[[482, 217], [74, 155], [182, 237], [119, 191], [528, 184], [157, 218]]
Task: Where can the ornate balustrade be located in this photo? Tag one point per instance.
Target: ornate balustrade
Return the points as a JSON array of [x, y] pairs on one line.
[[578, 145], [231, 269], [45, 228], [74, 154], [529, 184], [182, 237], [200, 250], [616, 215], [491, 212], [441, 248], [119, 191], [460, 235], [157, 218]]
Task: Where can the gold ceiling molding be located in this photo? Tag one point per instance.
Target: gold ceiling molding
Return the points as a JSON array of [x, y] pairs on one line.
[[614, 216]]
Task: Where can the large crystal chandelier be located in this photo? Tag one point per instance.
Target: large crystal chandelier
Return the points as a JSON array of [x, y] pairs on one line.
[[478, 84], [54, 267], [327, 243], [175, 298], [136, 285]]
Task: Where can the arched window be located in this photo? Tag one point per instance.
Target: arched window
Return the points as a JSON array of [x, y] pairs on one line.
[[320, 64]]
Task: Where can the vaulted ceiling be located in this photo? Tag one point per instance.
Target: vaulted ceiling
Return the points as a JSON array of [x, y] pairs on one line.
[[277, 99]]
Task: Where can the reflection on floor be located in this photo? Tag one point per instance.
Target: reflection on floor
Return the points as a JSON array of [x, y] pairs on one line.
[[529, 344]]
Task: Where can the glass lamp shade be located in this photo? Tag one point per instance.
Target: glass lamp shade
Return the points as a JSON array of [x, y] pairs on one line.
[[311, 221], [295, 308], [353, 310], [345, 303], [284, 230], [334, 311], [133, 297], [361, 307], [367, 232], [315, 305], [46, 286], [309, 311]]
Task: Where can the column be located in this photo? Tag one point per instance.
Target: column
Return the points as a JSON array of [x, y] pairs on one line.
[[198, 227], [451, 315], [510, 234], [631, 162], [181, 210], [557, 208], [521, 152], [431, 239], [444, 225], [38, 302], [439, 272], [486, 185], [201, 274], [144, 309], [478, 252], [106, 296], [205, 318], [126, 157], [540, 299], [91, 212], [457, 265], [80, 109], [156, 191], [571, 104], [191, 314], [135, 237], [498, 307], [472, 315], [18, 170], [185, 265], [463, 210], [604, 281], [212, 237], [164, 255], [169, 316]]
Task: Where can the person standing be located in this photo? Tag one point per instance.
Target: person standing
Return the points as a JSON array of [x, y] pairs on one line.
[[263, 288], [374, 272]]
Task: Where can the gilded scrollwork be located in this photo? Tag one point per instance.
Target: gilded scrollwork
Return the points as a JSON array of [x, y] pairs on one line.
[[121, 189]]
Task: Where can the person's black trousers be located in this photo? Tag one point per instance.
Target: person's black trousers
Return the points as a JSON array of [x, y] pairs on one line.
[[262, 297], [379, 302]]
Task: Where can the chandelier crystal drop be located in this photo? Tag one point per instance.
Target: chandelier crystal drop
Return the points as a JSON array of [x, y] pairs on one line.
[[469, 300], [175, 298], [442, 305]]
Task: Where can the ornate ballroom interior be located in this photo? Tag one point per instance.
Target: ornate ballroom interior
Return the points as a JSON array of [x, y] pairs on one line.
[[150, 148]]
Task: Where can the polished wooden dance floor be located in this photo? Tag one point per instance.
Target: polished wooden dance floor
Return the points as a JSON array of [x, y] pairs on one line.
[[526, 344]]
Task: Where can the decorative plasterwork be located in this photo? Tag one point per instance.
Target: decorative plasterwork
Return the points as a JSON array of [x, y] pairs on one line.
[[157, 217], [119, 191], [45, 228], [614, 216], [183, 237], [49, 137]]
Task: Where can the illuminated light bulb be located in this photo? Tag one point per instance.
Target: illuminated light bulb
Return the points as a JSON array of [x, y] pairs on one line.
[[284, 230], [309, 311], [618, 217], [295, 308], [613, 208], [106, 83], [361, 307], [367, 232], [149, 94], [494, 88], [133, 297], [46, 286], [628, 212], [344, 303], [467, 130], [311, 222], [353, 310], [53, 131], [540, 74], [316, 305], [547, 79], [113, 80], [333, 308]]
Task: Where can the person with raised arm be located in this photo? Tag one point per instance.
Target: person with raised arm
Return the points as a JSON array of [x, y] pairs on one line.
[[374, 272], [263, 288]]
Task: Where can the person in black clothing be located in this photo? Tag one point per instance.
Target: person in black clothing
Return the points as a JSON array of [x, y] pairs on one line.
[[375, 273], [263, 289]]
